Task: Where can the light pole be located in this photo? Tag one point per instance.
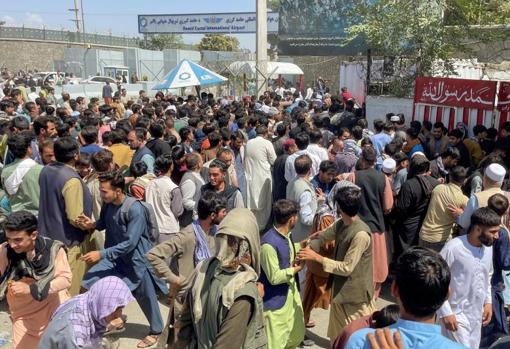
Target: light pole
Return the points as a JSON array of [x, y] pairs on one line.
[[261, 45]]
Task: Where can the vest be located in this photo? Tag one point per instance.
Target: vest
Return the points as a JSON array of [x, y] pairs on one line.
[[372, 184], [53, 222], [187, 216], [140, 153], [167, 222], [359, 286], [229, 194], [295, 188], [214, 312], [275, 295], [483, 197]]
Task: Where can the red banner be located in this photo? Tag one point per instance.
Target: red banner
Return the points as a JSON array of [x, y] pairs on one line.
[[504, 96], [462, 93]]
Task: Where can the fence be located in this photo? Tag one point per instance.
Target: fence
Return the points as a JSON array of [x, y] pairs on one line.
[[66, 36]]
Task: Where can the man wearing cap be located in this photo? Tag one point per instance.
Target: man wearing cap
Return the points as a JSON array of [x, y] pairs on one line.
[[492, 182]]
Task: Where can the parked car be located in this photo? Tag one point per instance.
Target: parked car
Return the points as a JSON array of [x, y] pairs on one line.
[[98, 80]]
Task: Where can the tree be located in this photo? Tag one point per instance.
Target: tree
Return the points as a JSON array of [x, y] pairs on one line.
[[414, 33], [215, 42], [159, 42], [273, 5]]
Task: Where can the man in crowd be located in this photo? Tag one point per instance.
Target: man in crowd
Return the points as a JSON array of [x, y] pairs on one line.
[[469, 305], [283, 311], [156, 144], [127, 242], [492, 182], [224, 298], [34, 276], [259, 156], [166, 198], [442, 164], [439, 142], [420, 286], [456, 136], [137, 140], [63, 198], [217, 175], [185, 250], [377, 199], [438, 224], [302, 140], [20, 179], [351, 269]]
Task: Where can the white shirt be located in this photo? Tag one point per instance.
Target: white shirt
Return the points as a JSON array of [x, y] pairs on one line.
[[32, 96], [290, 171], [471, 270], [318, 151]]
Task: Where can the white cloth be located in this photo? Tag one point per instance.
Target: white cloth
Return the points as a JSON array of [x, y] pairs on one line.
[[159, 194], [13, 182], [32, 96], [309, 93], [290, 171], [471, 270], [318, 151], [259, 156]]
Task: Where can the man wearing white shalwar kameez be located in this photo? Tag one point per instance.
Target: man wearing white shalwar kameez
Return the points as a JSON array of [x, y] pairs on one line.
[[259, 156], [470, 260]]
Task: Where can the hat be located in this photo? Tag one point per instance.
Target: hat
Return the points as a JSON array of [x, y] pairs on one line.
[[495, 172], [395, 118], [288, 143], [388, 166], [418, 153]]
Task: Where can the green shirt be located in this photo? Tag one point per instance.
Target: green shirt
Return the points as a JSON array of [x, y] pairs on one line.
[[27, 196]]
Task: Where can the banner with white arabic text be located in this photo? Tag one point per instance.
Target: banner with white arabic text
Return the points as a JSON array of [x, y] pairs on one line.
[[453, 101], [479, 94], [209, 23]]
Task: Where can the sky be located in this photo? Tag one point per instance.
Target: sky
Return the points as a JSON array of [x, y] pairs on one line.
[[118, 17]]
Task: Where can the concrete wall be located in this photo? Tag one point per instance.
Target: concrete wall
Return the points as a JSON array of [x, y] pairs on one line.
[[378, 107], [16, 55]]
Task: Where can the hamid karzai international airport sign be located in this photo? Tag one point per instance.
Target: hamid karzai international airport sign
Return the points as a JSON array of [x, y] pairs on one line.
[[211, 23]]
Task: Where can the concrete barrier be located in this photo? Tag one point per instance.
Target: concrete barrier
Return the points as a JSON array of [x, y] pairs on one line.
[[379, 106]]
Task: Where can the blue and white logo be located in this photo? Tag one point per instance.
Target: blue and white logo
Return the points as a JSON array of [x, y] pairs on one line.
[[184, 76]]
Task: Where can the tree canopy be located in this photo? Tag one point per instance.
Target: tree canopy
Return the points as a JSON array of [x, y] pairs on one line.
[[215, 42], [160, 42]]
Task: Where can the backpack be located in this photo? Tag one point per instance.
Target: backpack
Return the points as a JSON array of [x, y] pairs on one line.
[[150, 216]]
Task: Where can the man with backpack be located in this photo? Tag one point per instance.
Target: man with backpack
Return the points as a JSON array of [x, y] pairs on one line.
[[130, 233]]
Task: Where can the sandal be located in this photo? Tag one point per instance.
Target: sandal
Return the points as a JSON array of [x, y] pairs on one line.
[[310, 324], [148, 342]]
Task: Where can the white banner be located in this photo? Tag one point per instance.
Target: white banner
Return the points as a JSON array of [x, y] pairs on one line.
[[210, 23]]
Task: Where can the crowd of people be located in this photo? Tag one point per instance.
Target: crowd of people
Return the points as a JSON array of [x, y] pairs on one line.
[[248, 214]]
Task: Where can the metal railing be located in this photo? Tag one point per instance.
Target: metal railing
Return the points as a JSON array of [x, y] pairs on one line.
[[67, 36]]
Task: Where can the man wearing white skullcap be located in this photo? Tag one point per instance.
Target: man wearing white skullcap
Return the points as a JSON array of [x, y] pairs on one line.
[[492, 182], [388, 166]]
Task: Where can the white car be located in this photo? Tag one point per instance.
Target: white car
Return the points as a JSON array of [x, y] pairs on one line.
[[98, 80]]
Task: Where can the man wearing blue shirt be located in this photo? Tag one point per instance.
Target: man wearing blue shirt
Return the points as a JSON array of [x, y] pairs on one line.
[[421, 283]]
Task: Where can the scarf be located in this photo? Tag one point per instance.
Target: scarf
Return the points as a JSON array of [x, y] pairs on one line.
[[90, 309], [40, 268], [202, 247], [13, 182]]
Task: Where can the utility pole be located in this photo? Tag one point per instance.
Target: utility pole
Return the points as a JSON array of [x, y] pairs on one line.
[[76, 19], [261, 46]]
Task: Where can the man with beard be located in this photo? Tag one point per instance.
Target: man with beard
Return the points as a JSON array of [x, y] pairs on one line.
[[441, 166], [217, 184], [224, 300], [136, 139], [469, 257], [185, 250]]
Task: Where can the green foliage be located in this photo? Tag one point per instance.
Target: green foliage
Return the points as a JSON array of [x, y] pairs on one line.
[[477, 12], [159, 42], [215, 42], [273, 5], [420, 33]]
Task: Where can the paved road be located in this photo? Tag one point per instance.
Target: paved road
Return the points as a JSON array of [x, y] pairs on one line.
[[137, 326]]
